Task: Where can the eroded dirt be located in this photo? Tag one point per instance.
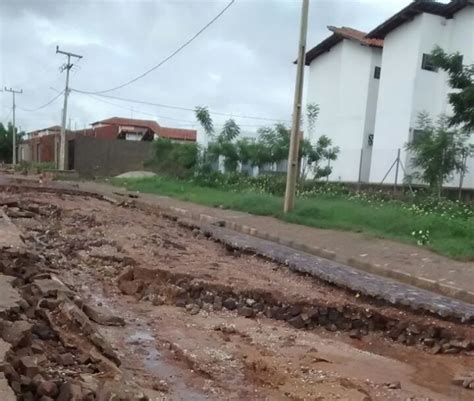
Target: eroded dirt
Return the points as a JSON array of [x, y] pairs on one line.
[[184, 340]]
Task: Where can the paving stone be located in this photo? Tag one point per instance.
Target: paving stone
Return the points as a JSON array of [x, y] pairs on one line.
[[345, 276]]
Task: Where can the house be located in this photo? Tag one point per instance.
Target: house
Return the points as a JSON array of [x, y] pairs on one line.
[[43, 142], [132, 129], [371, 87]]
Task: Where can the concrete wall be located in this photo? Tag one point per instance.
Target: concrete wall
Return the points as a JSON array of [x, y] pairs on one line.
[[42, 148], [341, 82], [395, 100], [102, 157]]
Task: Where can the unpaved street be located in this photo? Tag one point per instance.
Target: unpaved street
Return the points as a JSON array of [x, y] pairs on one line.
[[127, 301]]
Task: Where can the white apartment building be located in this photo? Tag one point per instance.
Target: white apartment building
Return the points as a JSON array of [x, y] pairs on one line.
[[371, 87]]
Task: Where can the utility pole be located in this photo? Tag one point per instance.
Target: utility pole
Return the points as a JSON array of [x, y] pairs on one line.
[[292, 169], [13, 92], [62, 137]]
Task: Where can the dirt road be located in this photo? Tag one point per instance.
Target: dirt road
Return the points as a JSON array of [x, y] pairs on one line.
[[202, 321]]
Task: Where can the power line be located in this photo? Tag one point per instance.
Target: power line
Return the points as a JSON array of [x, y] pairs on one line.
[[7, 116], [181, 108], [182, 122], [185, 44], [43, 105]]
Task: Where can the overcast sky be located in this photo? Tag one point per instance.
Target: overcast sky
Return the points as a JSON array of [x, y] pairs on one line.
[[241, 65]]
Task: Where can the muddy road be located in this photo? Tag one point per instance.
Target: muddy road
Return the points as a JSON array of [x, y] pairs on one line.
[[175, 315]]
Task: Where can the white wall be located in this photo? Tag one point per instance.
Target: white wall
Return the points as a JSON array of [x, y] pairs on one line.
[[338, 81], [396, 97], [406, 89]]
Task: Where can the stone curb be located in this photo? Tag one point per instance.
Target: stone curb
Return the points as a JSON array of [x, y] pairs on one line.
[[407, 278], [420, 282]]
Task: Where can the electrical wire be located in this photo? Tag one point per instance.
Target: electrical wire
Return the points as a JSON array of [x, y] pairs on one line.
[[185, 44], [44, 105], [7, 116], [182, 122], [232, 115]]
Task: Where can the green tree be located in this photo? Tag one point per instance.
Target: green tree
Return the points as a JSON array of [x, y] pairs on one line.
[[6, 142], [222, 144], [438, 151], [312, 113], [320, 156], [205, 119], [461, 78]]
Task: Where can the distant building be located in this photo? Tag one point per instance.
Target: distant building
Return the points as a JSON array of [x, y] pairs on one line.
[[145, 130], [371, 87], [43, 145]]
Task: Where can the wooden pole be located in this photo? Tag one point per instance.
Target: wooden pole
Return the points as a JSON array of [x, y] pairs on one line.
[[292, 169]]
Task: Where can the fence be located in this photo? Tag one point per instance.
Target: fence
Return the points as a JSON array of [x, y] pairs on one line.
[[102, 157], [384, 167]]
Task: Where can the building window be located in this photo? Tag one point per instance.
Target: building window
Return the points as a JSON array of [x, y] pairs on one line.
[[416, 134], [377, 72], [427, 63], [370, 139]]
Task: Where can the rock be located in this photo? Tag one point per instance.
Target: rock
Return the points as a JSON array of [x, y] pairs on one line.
[[230, 303], [28, 396], [17, 333], [250, 302], [468, 381], [313, 313], [70, 392], [193, 309], [181, 303], [16, 387], [29, 366], [429, 342], [246, 311], [226, 328], [297, 322], [394, 385], [294, 310], [161, 386], [103, 316], [461, 344], [355, 333], [23, 304], [158, 300], [217, 303], [37, 380], [43, 332], [413, 329], [436, 349], [65, 359], [47, 388], [52, 288]]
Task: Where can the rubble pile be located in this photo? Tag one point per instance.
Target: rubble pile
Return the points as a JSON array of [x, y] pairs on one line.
[[54, 350]]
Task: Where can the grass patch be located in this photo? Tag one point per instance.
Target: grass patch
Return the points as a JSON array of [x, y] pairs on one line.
[[449, 236]]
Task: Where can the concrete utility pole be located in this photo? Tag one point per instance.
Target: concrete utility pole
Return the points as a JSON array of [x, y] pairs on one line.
[[292, 170], [13, 92], [62, 137]]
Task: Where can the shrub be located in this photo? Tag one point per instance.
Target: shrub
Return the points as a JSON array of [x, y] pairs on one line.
[[174, 159]]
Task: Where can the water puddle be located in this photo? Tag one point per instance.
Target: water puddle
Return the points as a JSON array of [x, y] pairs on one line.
[[156, 365]]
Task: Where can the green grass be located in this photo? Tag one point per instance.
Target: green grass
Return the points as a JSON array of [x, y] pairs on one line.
[[450, 237]]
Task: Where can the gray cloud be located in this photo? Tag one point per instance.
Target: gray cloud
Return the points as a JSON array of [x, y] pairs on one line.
[[242, 64]]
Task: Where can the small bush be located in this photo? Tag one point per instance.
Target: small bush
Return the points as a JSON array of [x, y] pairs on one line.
[[174, 159]]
